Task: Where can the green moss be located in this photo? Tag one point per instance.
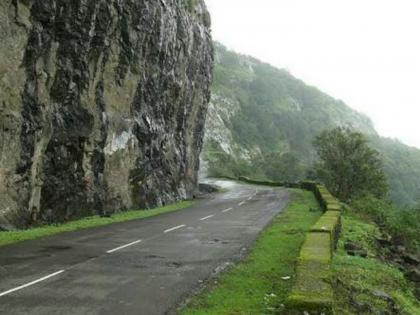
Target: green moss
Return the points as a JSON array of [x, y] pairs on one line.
[[334, 207], [329, 223], [328, 199], [332, 213], [43, 231], [191, 4], [318, 299], [261, 182], [309, 185], [316, 248], [312, 290]]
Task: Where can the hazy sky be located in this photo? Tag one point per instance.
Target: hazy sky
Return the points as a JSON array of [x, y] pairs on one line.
[[365, 52]]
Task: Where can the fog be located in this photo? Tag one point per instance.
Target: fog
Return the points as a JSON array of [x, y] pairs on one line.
[[366, 53]]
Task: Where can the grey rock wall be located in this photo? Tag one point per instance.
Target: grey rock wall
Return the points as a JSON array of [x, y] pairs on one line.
[[102, 105]]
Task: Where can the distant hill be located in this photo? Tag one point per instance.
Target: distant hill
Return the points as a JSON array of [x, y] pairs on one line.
[[262, 121]]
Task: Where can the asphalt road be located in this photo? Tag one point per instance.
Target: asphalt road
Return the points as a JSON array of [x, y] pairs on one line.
[[146, 266]]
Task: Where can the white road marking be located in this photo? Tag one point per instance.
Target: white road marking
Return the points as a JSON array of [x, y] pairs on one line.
[[227, 210], [32, 283], [253, 195], [241, 203], [124, 246], [174, 228], [208, 217]]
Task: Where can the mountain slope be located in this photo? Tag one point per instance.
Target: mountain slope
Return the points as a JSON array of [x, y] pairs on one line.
[[262, 121]]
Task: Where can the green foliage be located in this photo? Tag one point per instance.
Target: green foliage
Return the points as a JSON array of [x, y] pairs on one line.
[[255, 286], [348, 166], [280, 114], [403, 225], [191, 4], [402, 166], [285, 167], [272, 166], [89, 222], [222, 164]]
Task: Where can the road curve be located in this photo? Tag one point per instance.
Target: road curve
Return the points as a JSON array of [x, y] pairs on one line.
[[146, 266]]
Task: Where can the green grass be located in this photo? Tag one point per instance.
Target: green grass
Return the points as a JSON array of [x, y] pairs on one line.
[[358, 278], [255, 286], [88, 222]]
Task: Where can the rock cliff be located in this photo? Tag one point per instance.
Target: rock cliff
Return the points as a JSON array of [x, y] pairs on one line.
[[102, 105]]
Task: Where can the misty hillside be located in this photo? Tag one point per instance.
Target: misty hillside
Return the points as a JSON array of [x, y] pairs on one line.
[[262, 121]]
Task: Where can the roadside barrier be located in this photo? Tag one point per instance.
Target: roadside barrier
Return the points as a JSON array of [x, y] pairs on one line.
[[312, 291]]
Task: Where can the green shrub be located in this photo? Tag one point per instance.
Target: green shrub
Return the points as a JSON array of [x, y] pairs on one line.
[[403, 225], [191, 4], [348, 166]]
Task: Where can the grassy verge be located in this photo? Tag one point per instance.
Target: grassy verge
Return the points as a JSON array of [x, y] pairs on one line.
[[257, 286], [88, 222], [368, 285]]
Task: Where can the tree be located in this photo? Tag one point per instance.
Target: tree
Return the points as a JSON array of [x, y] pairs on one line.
[[282, 167], [348, 166]]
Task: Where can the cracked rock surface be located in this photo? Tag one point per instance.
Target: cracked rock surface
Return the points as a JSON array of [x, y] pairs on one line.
[[102, 105]]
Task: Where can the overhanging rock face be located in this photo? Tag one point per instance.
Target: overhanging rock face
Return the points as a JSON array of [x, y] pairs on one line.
[[102, 105]]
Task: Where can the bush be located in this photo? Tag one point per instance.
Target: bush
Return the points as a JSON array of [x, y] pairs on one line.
[[402, 225], [348, 166], [191, 4]]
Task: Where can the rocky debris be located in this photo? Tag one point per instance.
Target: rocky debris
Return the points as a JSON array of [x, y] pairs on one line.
[[382, 295], [410, 259], [384, 241], [7, 227], [392, 307], [207, 188], [360, 253], [354, 249], [413, 275], [417, 292], [393, 251], [106, 214], [361, 307], [364, 307], [400, 249], [102, 105], [350, 246]]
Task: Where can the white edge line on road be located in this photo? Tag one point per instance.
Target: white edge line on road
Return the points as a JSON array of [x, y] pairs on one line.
[[208, 217], [241, 203], [31, 283], [174, 228], [253, 195], [124, 246], [227, 210]]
